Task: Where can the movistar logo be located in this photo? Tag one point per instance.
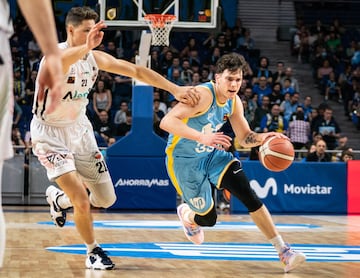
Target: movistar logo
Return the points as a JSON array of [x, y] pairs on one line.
[[262, 192], [142, 182], [271, 185]]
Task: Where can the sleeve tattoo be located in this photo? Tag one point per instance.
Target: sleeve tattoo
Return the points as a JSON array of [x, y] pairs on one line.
[[251, 138]]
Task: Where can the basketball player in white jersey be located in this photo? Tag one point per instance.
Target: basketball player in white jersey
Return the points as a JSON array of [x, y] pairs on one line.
[[63, 139], [44, 30]]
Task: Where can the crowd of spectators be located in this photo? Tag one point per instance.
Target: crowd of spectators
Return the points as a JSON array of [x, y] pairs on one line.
[[272, 100]]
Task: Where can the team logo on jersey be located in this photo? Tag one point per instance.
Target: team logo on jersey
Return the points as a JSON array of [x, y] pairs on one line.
[[71, 80], [226, 117]]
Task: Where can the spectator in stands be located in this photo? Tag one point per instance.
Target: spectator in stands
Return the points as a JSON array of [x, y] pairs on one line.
[[159, 113], [260, 112], [186, 73], [166, 61], [263, 71], [355, 106], [120, 115], [249, 115], [251, 101], [332, 88], [190, 45], [346, 155], [245, 42], [102, 98], [291, 106], [328, 128], [195, 79], [262, 89], [320, 154], [104, 130], [286, 88], [124, 128], [307, 106], [346, 85], [175, 65], [223, 44], [17, 114], [274, 121], [333, 41], [204, 77], [176, 77], [17, 140], [280, 72], [162, 104], [299, 131], [323, 74], [276, 97], [155, 63], [294, 81]]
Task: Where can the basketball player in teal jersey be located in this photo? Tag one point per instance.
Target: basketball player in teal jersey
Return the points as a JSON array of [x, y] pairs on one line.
[[63, 138], [196, 159]]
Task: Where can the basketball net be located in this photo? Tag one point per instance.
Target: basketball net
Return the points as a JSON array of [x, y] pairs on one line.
[[160, 26]]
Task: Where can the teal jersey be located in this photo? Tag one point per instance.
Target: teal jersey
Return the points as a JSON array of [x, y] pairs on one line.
[[193, 167], [207, 122]]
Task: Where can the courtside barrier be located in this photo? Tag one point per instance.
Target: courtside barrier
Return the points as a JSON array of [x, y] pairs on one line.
[[353, 185]]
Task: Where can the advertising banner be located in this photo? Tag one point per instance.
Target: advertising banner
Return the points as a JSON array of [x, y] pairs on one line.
[[141, 183], [312, 187]]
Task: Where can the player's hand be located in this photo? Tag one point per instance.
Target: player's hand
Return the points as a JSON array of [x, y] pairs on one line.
[[271, 134], [217, 140], [51, 77], [95, 36], [187, 95]]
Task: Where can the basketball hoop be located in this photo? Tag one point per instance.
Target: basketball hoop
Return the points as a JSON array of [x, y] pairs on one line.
[[160, 26]]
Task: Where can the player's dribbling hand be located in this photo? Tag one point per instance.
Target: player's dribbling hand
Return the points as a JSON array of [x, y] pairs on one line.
[[187, 95]]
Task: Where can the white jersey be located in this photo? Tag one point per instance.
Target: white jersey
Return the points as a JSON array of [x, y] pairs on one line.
[[5, 19], [6, 83], [78, 82]]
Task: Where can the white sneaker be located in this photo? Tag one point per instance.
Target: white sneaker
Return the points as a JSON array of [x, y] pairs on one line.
[[291, 258], [99, 260], [58, 214], [193, 232]]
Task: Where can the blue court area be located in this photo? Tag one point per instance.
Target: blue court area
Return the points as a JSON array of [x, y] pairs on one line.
[[170, 225], [219, 251], [210, 251]]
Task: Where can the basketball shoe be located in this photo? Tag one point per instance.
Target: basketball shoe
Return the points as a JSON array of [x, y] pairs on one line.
[[58, 214], [291, 258], [193, 232], [97, 259]]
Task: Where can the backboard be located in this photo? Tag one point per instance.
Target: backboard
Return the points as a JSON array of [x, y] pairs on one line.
[[190, 14]]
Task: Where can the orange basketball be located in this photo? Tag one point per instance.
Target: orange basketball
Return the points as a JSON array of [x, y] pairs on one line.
[[276, 154]]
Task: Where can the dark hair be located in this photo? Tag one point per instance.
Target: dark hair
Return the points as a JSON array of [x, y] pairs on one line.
[[231, 62], [76, 15]]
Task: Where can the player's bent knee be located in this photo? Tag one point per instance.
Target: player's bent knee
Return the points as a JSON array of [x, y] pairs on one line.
[[208, 220], [236, 182]]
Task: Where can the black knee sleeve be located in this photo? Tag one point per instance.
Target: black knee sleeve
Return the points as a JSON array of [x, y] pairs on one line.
[[207, 220], [238, 184]]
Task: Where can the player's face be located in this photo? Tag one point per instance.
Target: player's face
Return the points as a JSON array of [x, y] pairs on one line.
[[228, 84], [79, 33]]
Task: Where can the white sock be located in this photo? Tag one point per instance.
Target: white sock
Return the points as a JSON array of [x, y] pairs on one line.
[[278, 243], [91, 246]]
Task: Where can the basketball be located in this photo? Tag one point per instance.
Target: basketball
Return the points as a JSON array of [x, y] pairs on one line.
[[276, 154]]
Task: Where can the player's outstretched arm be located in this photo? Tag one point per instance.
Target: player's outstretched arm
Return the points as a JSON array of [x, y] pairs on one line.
[[184, 94]]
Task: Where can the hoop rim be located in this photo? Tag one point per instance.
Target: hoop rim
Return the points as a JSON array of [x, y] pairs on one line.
[[159, 17]]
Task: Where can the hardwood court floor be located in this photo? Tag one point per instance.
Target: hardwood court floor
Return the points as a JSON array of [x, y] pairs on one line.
[[27, 239]]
